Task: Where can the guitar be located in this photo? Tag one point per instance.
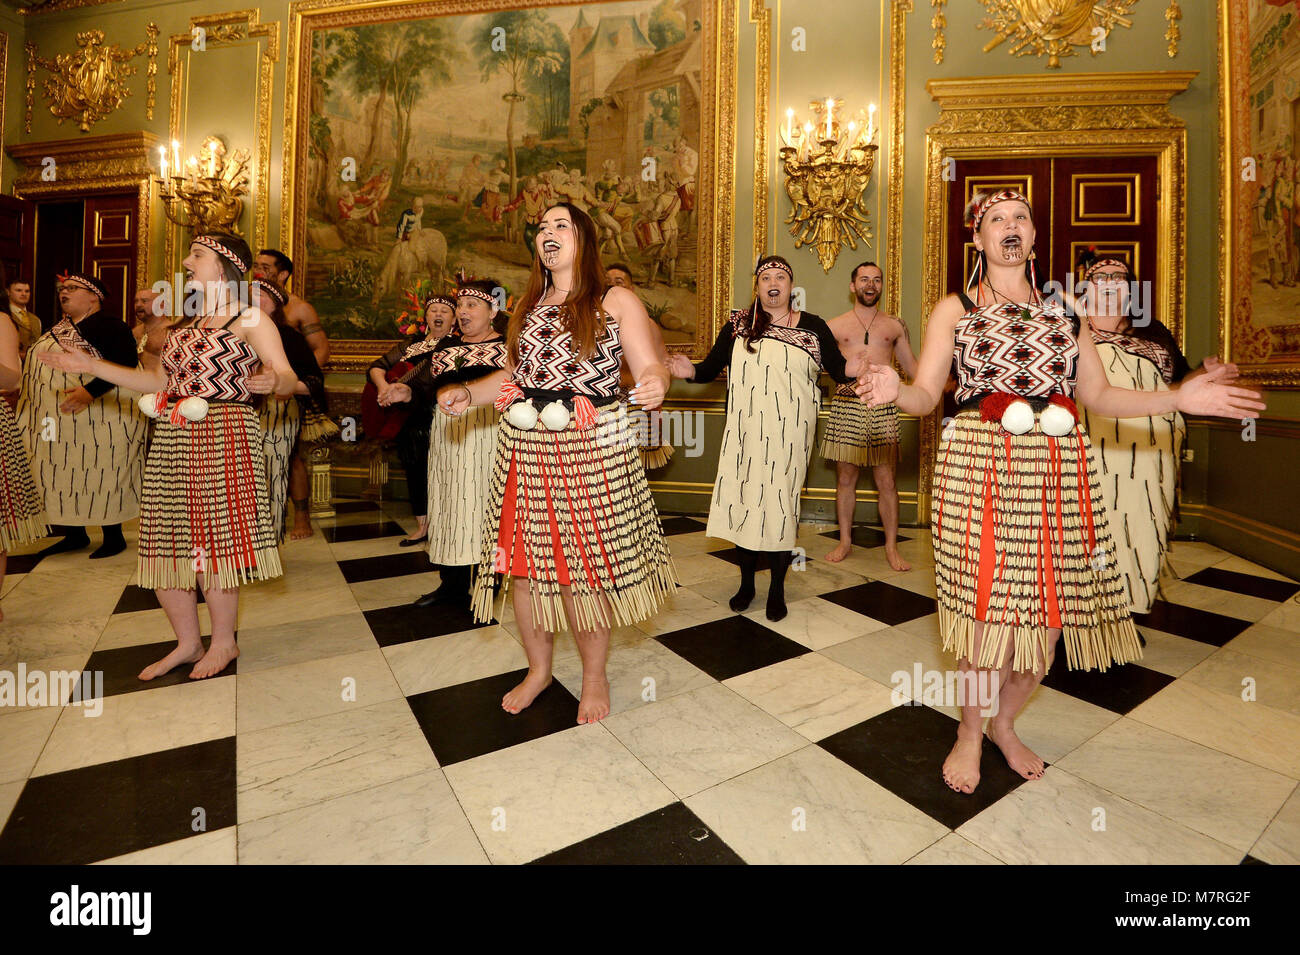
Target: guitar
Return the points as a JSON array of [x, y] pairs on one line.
[[383, 423]]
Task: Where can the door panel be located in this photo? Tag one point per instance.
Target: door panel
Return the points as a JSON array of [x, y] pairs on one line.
[[110, 247]]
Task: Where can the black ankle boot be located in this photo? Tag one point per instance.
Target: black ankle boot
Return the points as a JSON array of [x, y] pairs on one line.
[[453, 591], [114, 542], [74, 538], [748, 562], [776, 589]]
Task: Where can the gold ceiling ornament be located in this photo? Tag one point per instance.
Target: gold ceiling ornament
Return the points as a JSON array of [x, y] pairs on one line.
[[207, 194], [938, 21], [1173, 13], [827, 168], [1053, 27], [90, 84]]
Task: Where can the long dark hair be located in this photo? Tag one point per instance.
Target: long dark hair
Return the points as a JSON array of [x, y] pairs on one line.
[[583, 312], [759, 320]]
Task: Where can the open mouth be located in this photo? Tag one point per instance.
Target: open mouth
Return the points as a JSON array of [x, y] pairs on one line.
[[1013, 247], [773, 294], [550, 250]]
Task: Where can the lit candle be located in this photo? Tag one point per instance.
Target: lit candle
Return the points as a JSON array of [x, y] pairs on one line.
[[830, 103], [789, 124], [176, 155], [807, 138], [848, 140], [162, 160]]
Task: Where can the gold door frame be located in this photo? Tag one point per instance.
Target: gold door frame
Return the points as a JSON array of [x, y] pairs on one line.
[[1079, 114]]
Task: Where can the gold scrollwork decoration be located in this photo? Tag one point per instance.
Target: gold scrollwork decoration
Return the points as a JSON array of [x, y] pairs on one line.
[[89, 84], [1173, 13], [1053, 28], [938, 22]]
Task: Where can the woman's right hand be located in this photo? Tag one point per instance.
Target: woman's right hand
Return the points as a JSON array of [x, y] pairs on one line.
[[393, 394], [679, 366], [75, 361], [879, 386], [453, 400]]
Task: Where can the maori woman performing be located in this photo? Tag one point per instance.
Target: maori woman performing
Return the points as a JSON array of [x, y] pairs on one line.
[[1022, 545], [205, 519], [773, 356], [459, 464], [1138, 456], [570, 517], [85, 436], [21, 518], [406, 421], [281, 419]]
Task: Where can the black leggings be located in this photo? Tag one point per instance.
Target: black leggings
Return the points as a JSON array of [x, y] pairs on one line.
[[413, 452]]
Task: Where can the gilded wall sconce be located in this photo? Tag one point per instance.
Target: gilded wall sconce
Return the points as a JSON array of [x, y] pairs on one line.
[[827, 166], [89, 84], [207, 194]]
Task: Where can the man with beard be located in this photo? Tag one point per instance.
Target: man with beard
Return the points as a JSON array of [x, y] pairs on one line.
[[151, 325], [857, 436]]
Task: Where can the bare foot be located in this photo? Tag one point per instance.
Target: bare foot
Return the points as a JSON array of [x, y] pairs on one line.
[[594, 705], [301, 529], [895, 559], [214, 661], [840, 552], [522, 696], [961, 770], [171, 662], [1018, 756]]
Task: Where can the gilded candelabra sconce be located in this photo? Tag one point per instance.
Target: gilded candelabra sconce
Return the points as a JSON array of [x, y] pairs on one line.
[[1054, 27], [207, 194], [89, 84], [827, 166]]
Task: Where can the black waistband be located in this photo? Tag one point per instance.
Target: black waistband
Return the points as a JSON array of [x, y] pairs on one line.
[[566, 396], [1037, 402]]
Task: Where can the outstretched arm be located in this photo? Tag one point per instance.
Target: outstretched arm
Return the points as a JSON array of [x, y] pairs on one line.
[[143, 379], [881, 385]]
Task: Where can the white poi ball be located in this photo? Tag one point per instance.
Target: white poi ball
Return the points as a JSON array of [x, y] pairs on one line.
[[1018, 418], [1056, 420], [193, 409], [149, 403], [555, 416], [522, 415]]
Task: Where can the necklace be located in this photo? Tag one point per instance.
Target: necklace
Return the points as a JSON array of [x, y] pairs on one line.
[[866, 329]]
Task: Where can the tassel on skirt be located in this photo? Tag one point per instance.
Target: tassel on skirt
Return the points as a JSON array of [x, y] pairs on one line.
[[22, 513], [204, 509], [1022, 543], [317, 428], [856, 434], [573, 509]]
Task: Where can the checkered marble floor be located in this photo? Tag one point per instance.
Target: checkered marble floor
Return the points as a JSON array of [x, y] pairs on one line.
[[355, 728]]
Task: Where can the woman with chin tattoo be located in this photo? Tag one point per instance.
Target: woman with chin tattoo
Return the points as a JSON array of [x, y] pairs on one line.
[[1022, 541], [773, 356], [570, 520]]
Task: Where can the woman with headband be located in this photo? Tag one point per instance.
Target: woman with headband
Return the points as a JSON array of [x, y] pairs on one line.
[[281, 418], [84, 435], [773, 356], [22, 519], [1138, 456], [410, 432], [570, 517], [1023, 551], [205, 519], [459, 465]]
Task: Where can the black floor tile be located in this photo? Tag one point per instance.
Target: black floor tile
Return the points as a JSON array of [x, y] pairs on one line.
[[682, 525], [884, 602], [1251, 860], [365, 531], [354, 507], [121, 667], [1212, 628], [138, 598], [1119, 689], [1248, 584], [22, 563], [732, 556], [407, 622], [389, 565], [731, 646], [903, 749], [672, 835], [864, 536], [464, 721], [97, 812]]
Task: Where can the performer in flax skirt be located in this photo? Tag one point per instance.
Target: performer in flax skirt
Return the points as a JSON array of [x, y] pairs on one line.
[[84, 435], [21, 517], [1023, 550], [281, 419], [205, 519], [570, 517], [1138, 456], [460, 446], [773, 356]]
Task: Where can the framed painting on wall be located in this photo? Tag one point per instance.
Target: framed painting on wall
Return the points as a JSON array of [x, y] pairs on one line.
[[424, 140]]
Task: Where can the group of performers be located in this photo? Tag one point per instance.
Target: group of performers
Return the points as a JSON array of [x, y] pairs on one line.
[[527, 478]]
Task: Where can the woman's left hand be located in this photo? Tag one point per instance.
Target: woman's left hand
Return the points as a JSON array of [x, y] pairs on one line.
[[1208, 395], [1231, 371], [75, 362], [75, 400], [394, 393], [649, 393]]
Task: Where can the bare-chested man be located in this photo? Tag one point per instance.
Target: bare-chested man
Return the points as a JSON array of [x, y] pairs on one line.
[[151, 325], [299, 314], [856, 435]]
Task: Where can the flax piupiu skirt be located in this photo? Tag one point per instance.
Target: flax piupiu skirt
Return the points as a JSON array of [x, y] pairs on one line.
[[204, 515], [1022, 543], [573, 509]]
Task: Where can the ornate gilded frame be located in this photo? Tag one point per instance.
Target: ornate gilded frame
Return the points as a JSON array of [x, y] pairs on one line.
[[718, 125], [232, 28], [1061, 115], [94, 164]]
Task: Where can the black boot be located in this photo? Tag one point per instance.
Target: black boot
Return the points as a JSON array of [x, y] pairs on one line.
[[114, 542], [74, 538], [453, 591], [748, 562], [776, 589]]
